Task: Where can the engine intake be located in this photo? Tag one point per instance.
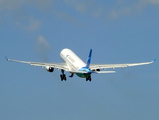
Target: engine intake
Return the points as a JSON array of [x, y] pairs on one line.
[[49, 69]]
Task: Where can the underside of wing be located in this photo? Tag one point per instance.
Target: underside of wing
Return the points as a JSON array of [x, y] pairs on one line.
[[54, 65], [105, 66], [41, 64]]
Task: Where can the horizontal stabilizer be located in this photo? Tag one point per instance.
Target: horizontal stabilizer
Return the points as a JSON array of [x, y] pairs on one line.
[[93, 72], [105, 72], [77, 71], [153, 60]]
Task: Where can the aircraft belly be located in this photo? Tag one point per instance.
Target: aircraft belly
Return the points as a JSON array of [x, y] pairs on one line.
[[82, 75]]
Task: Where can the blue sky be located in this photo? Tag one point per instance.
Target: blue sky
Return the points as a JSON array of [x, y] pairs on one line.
[[118, 31]]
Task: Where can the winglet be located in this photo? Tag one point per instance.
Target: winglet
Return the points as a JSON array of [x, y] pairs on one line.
[[153, 60], [89, 59], [6, 58]]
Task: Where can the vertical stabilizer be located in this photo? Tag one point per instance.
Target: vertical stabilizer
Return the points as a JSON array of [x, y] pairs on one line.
[[89, 59]]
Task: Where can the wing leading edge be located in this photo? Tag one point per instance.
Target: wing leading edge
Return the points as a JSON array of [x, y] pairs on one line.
[[113, 66], [54, 65], [64, 66]]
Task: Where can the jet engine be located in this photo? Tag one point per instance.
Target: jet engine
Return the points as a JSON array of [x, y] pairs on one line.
[[96, 70], [49, 69]]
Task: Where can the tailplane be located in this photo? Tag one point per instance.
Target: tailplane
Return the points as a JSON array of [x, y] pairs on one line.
[[89, 59]]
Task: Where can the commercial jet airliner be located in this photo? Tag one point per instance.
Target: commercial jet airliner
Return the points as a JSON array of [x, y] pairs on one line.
[[74, 65]]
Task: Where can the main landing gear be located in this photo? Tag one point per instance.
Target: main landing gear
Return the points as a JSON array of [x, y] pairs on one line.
[[89, 78], [63, 76]]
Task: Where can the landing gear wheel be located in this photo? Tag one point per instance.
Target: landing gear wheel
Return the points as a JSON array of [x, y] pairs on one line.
[[89, 78], [63, 77]]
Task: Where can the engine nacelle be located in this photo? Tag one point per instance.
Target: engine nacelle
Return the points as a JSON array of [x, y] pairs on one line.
[[49, 69], [96, 70]]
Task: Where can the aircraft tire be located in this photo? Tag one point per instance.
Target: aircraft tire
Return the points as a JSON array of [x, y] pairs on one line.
[[64, 77], [61, 76]]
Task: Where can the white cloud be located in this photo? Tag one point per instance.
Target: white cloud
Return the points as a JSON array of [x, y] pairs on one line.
[[125, 9], [98, 12], [14, 11], [115, 13], [65, 16], [42, 47], [78, 5], [152, 1], [85, 7], [18, 4], [33, 24], [44, 5], [119, 9], [27, 23]]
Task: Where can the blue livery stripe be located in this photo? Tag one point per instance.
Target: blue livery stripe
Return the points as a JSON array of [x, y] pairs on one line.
[[89, 59]]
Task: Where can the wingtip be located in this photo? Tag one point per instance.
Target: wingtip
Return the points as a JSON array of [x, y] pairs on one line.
[[6, 58], [153, 60]]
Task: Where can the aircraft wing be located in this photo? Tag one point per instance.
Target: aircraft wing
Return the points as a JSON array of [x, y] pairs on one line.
[[41, 64], [105, 66]]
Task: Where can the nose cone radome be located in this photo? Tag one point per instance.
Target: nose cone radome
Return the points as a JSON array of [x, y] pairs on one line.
[[66, 50]]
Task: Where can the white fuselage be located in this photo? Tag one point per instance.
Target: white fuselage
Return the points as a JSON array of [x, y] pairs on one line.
[[72, 60]]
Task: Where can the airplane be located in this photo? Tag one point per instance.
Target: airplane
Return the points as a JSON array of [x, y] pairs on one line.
[[74, 65]]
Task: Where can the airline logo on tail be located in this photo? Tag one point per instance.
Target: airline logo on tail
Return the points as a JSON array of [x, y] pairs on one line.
[[89, 59]]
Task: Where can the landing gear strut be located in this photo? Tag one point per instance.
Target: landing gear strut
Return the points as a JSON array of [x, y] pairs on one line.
[[88, 78], [63, 76], [71, 75]]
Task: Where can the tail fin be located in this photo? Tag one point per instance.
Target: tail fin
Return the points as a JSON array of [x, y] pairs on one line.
[[89, 59]]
